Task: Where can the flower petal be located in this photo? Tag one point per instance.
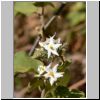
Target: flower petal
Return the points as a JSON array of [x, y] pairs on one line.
[[47, 40], [48, 67], [54, 52], [46, 75], [58, 75], [49, 53], [41, 44], [55, 68], [57, 45], [52, 80], [51, 40], [58, 41]]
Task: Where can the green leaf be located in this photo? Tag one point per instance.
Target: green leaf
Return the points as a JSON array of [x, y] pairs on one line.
[[64, 65], [78, 17], [42, 4], [79, 6], [65, 79], [18, 82], [24, 7], [63, 92], [23, 63], [76, 94], [36, 83]]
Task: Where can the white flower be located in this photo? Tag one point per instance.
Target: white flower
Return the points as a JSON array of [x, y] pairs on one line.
[[52, 73], [41, 69], [51, 45]]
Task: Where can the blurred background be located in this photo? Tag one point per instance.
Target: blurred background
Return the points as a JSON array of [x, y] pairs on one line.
[[70, 26]]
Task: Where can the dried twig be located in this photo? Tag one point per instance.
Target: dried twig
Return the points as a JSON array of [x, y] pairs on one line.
[[42, 93], [21, 93], [34, 45], [78, 84], [54, 16], [45, 27]]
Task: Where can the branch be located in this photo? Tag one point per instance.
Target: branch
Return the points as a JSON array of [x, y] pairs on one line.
[[61, 57], [54, 16], [78, 84], [34, 45], [45, 27], [42, 93]]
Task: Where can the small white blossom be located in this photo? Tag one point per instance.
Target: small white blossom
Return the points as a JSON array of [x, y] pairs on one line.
[[41, 69], [52, 73], [51, 45]]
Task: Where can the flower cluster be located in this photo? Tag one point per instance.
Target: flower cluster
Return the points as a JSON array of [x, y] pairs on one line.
[[51, 46], [50, 73]]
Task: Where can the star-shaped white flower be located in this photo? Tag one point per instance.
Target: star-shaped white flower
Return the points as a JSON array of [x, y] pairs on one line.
[[52, 74], [51, 45]]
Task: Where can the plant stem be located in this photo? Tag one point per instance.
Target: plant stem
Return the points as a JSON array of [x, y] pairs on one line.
[[62, 58], [34, 45], [42, 17], [38, 37], [49, 22], [45, 27], [54, 16], [43, 93]]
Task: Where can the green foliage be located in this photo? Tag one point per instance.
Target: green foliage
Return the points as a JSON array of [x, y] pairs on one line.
[[77, 13], [76, 94], [35, 83], [24, 7], [79, 6], [39, 53], [65, 79], [64, 65], [23, 63], [18, 82], [61, 92], [64, 92], [76, 17], [42, 4]]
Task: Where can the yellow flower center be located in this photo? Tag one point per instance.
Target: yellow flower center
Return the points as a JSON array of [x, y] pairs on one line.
[[42, 68], [51, 47], [51, 74]]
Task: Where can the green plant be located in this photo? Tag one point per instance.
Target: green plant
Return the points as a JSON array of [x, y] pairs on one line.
[[51, 80]]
